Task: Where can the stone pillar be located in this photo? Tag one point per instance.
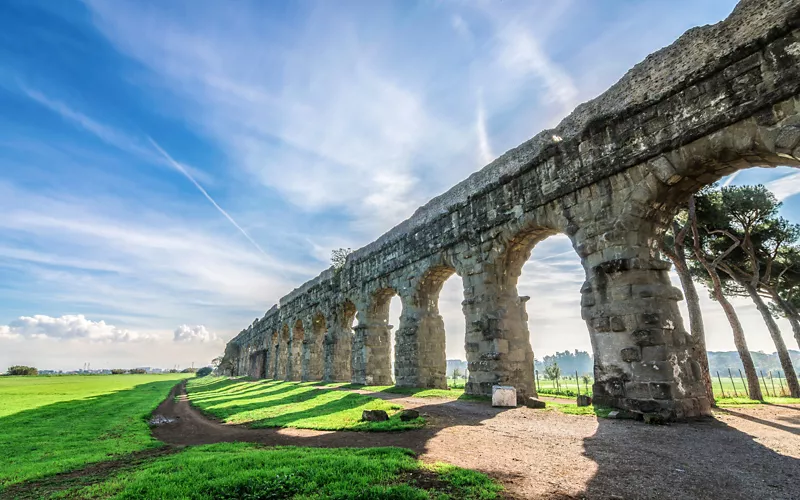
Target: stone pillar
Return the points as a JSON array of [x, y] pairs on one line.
[[643, 354], [420, 357], [338, 343], [268, 358], [498, 343], [313, 349], [372, 346]]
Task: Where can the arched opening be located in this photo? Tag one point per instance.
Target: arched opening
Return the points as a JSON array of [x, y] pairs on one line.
[[395, 311], [450, 305], [296, 351], [372, 363], [552, 276], [421, 345], [338, 343], [283, 354]]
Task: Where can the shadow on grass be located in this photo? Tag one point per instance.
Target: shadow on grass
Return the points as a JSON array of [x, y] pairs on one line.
[[62, 436], [303, 405]]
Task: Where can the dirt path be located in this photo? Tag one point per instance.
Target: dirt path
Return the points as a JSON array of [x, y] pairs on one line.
[[743, 453]]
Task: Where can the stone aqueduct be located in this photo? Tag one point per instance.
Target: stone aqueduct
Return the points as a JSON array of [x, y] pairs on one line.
[[610, 176]]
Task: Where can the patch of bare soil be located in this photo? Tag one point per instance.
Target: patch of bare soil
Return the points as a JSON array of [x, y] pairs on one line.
[[90, 474]]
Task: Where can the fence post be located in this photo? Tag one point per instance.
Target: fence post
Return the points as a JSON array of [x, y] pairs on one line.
[[772, 381], [578, 382], [780, 381], [538, 388], [735, 393], [763, 379], [746, 389], [720, 384]]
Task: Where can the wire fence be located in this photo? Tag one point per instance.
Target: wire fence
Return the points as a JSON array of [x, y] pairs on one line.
[[733, 384]]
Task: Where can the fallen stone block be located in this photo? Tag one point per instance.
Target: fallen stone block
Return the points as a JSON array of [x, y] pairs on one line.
[[374, 416], [584, 400], [504, 396], [407, 415], [621, 415], [655, 419], [535, 403]]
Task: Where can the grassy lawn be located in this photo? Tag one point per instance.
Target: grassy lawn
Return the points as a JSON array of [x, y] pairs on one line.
[[291, 404], [241, 470], [417, 392], [54, 424]]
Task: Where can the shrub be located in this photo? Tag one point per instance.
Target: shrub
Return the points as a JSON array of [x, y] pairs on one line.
[[204, 371], [189, 370], [22, 370], [117, 371], [138, 371], [173, 370]]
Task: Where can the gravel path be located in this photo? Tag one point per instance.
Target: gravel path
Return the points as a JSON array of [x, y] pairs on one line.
[[743, 453]]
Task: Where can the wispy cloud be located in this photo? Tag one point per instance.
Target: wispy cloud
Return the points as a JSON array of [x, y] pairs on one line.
[[180, 168], [484, 148], [786, 186]]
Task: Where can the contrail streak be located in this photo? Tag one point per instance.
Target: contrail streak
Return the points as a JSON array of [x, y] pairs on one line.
[[186, 174]]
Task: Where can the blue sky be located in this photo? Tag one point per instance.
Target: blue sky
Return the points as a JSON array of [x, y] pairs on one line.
[[168, 170]]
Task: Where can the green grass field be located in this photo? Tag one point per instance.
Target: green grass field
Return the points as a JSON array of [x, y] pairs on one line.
[[50, 425], [247, 471], [291, 404], [55, 424]]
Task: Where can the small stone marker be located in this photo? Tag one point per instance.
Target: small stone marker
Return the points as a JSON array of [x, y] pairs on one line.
[[584, 400], [374, 416], [407, 415], [535, 403], [504, 395]]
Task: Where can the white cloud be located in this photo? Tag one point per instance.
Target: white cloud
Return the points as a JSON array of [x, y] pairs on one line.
[[195, 333], [66, 328], [521, 52], [786, 186], [484, 149]]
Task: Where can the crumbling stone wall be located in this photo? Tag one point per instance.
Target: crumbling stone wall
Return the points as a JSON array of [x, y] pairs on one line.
[[610, 176]]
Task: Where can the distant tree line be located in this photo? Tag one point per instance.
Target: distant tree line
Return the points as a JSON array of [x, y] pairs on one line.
[[568, 362], [22, 370]]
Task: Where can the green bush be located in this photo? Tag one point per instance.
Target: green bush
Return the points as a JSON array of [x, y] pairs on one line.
[[189, 370], [204, 371], [117, 371], [22, 370], [138, 371]]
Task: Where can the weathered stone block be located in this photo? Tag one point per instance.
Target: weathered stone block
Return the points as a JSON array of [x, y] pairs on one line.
[[535, 403], [618, 324], [374, 416], [504, 396], [648, 337], [584, 400], [661, 390], [631, 354], [407, 415]]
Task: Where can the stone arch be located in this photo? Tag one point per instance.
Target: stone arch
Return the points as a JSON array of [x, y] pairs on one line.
[[644, 358], [420, 359], [338, 343], [371, 341], [313, 355], [284, 343], [296, 351]]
